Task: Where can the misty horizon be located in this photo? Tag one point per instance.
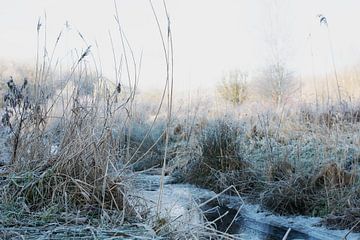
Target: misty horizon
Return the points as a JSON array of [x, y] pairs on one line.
[[210, 38]]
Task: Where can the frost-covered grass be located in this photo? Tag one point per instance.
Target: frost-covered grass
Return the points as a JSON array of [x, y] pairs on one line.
[[73, 176], [78, 169], [290, 161]]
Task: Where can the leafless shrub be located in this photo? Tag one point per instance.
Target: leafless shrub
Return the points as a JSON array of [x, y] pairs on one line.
[[19, 113], [276, 83], [234, 87]]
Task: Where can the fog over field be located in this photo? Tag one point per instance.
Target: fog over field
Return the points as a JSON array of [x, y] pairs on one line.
[[210, 37]]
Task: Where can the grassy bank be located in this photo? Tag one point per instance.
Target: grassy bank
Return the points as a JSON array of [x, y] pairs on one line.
[[296, 161], [77, 169]]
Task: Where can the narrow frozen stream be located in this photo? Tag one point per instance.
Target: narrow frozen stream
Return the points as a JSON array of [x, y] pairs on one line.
[[180, 200]]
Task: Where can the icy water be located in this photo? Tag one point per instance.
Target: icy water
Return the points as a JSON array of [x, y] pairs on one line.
[[252, 223], [247, 228]]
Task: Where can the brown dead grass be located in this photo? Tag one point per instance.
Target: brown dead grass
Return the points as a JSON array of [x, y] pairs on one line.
[[79, 175], [332, 176]]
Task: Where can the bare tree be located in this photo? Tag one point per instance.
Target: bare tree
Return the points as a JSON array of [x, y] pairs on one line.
[[277, 83]]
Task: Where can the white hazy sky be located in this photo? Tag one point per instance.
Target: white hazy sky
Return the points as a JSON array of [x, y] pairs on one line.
[[210, 36]]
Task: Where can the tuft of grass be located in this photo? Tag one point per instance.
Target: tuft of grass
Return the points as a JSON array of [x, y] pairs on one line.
[[216, 162]]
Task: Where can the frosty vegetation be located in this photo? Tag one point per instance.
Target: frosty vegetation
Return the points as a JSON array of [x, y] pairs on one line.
[[73, 145]]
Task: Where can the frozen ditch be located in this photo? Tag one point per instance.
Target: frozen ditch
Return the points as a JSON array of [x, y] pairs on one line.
[[180, 201]]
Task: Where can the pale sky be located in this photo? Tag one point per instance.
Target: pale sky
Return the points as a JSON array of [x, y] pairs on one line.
[[211, 37]]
